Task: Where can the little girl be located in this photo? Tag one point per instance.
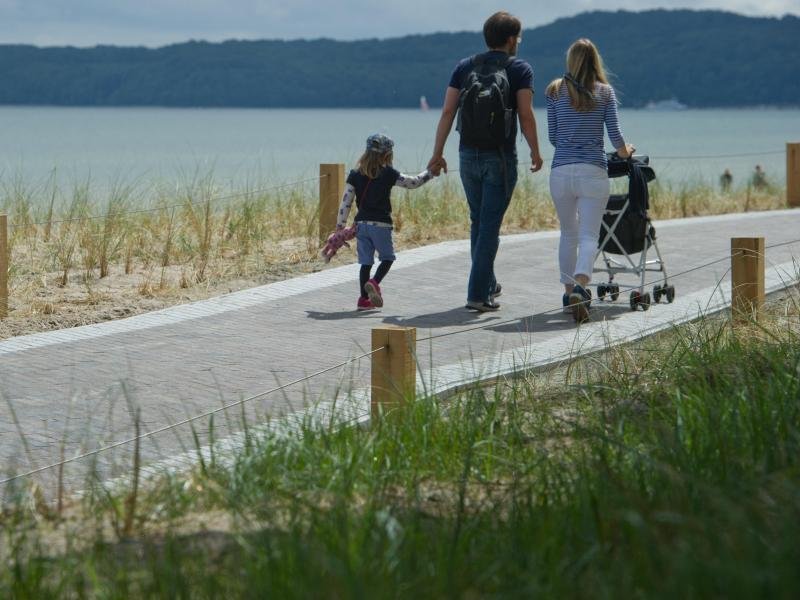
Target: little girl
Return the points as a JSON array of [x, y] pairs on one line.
[[370, 183]]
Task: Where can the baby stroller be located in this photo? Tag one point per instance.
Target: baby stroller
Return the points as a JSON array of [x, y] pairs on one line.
[[626, 230]]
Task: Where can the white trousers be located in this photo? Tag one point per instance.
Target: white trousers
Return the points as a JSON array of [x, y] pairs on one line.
[[580, 194]]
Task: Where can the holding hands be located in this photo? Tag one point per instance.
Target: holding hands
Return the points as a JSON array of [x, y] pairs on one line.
[[437, 164]]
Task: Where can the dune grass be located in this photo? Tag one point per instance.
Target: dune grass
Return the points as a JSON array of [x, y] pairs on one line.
[[668, 468], [197, 234]]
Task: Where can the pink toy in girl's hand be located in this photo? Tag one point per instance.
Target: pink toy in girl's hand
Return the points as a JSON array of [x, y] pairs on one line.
[[336, 240]]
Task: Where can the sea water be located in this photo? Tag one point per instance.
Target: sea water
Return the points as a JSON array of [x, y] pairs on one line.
[[250, 147]]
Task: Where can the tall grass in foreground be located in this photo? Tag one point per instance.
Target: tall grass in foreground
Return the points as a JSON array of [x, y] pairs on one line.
[[200, 234], [669, 468]]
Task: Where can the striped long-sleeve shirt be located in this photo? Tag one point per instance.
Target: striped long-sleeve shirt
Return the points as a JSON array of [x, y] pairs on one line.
[[578, 136]]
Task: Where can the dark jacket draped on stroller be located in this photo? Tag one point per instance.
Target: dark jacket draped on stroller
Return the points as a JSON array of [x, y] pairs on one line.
[[631, 232]]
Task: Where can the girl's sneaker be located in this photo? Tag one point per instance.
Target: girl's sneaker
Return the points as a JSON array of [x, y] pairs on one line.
[[565, 304], [364, 304], [374, 292]]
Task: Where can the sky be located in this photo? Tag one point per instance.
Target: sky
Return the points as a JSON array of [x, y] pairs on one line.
[[159, 22]]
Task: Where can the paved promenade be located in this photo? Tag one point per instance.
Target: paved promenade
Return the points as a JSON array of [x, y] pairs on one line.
[[79, 388]]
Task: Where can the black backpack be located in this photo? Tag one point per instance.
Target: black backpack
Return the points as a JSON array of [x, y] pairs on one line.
[[485, 115]]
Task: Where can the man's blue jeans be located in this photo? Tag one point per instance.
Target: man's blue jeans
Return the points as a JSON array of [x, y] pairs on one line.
[[488, 187]]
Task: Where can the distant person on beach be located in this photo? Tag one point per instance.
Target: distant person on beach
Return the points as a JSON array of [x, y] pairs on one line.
[[759, 179], [579, 104], [489, 92], [370, 185], [726, 181]]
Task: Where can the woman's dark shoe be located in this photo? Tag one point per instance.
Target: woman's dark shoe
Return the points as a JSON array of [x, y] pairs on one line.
[[580, 300]]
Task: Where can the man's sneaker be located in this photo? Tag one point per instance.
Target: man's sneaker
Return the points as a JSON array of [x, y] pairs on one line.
[[374, 292], [364, 304], [565, 304], [488, 306], [580, 300], [498, 291]]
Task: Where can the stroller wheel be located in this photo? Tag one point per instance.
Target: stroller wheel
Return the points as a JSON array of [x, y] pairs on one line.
[[601, 291], [657, 291], [670, 293], [635, 299], [645, 301], [614, 291]]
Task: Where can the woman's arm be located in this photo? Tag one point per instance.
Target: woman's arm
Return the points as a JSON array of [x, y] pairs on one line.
[[344, 207], [611, 118], [412, 182]]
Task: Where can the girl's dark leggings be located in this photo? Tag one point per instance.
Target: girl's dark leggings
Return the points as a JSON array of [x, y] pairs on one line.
[[380, 273]]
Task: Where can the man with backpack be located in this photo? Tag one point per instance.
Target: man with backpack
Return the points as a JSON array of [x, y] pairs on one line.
[[489, 92]]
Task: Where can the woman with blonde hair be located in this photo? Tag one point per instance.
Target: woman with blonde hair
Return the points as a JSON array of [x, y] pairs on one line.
[[579, 105]]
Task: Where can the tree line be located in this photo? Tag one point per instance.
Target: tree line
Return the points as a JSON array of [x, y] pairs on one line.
[[701, 58]]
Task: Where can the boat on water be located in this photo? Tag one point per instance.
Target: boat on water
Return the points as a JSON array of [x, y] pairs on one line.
[[671, 104], [423, 103]]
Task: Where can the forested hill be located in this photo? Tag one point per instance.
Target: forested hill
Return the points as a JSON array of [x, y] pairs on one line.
[[701, 58]]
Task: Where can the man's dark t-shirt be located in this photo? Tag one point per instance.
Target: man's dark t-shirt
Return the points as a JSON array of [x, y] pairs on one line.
[[374, 200], [520, 77]]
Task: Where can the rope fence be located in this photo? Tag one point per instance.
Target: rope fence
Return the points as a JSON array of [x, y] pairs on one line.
[[328, 174], [169, 206], [392, 361], [382, 376], [694, 156], [622, 290], [719, 156], [186, 421]]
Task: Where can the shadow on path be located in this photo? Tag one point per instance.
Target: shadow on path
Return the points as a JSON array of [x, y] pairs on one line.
[[340, 315], [446, 318], [556, 321]]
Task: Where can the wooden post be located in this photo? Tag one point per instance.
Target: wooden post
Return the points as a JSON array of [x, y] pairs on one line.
[[331, 188], [747, 278], [394, 368], [793, 174], [3, 266]]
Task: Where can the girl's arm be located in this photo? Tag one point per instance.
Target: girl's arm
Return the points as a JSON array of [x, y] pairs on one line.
[[344, 207], [412, 182]]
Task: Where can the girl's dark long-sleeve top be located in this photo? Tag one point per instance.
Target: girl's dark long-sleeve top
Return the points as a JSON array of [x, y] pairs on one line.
[[373, 196]]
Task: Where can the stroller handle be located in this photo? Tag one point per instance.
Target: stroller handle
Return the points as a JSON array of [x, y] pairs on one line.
[[621, 167], [639, 158]]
